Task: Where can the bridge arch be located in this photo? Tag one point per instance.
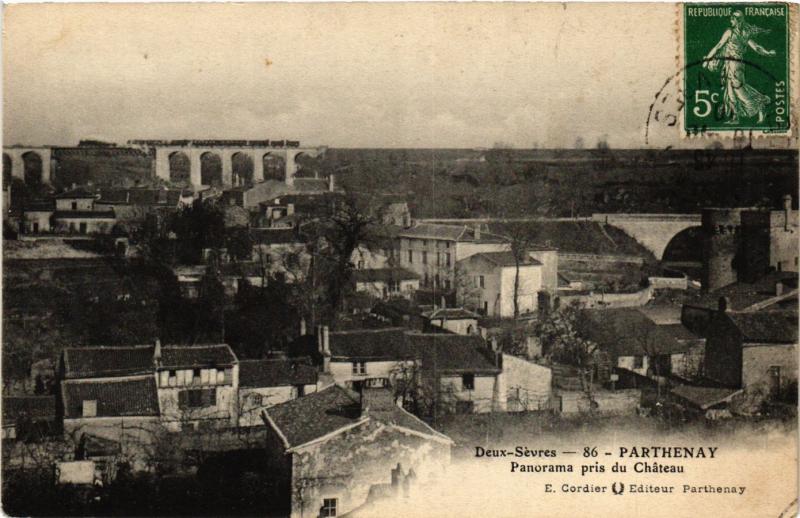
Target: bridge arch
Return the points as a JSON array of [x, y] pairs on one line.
[[653, 231], [33, 168], [274, 166], [242, 168], [210, 169], [8, 170], [685, 246], [180, 168]]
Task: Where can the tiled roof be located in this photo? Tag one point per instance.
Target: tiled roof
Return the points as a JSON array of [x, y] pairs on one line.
[[34, 408], [315, 415], [371, 344], [741, 295], [140, 196], [276, 372], [134, 396], [79, 193], [505, 259], [627, 332], [318, 414], [383, 275], [445, 353], [435, 231], [177, 356], [274, 236], [450, 314], [98, 362], [679, 331], [310, 185], [704, 397], [767, 326]]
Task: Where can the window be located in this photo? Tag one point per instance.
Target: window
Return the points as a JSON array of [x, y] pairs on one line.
[[360, 265], [485, 307], [74, 205], [359, 368], [89, 408], [195, 373], [410, 256], [468, 381], [301, 390], [447, 244], [438, 259], [447, 284], [638, 362], [436, 280], [82, 228], [447, 259], [36, 229], [197, 398], [425, 280], [481, 281], [328, 507], [424, 257], [424, 242]]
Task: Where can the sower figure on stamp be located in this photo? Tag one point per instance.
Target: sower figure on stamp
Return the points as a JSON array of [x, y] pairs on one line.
[[739, 98]]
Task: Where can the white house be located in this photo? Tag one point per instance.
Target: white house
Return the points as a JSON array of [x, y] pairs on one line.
[[488, 283]]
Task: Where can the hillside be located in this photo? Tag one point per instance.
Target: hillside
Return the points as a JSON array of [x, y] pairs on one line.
[[472, 183]]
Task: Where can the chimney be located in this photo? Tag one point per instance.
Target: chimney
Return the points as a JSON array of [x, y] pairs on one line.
[[787, 211], [323, 339], [157, 352], [331, 182], [477, 232], [290, 209]]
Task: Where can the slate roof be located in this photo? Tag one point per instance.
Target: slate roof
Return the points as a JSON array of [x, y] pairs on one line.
[[505, 259], [627, 332], [98, 362], [383, 275], [84, 214], [320, 413], [276, 372], [767, 326], [371, 344], [39, 206], [34, 408], [186, 357], [132, 396], [444, 353]]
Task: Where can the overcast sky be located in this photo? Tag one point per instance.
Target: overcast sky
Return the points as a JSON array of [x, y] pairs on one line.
[[388, 75]]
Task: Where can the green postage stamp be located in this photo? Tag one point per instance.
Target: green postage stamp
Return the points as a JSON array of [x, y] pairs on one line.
[[736, 68]]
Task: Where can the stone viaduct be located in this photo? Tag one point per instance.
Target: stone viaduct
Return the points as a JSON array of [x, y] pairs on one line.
[[653, 231], [196, 151], [34, 163]]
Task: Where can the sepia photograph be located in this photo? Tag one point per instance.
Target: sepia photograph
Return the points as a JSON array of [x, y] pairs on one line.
[[416, 259]]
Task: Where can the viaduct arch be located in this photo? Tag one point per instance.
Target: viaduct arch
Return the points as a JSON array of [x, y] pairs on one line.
[[32, 163], [228, 152], [654, 231]]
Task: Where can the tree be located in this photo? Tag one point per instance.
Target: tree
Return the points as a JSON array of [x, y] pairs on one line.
[[520, 237], [239, 243], [333, 239], [562, 342]]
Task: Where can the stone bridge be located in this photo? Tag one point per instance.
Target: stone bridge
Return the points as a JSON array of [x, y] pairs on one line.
[[653, 231]]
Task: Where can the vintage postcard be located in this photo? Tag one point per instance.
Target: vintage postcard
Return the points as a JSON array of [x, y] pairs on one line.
[[400, 259]]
